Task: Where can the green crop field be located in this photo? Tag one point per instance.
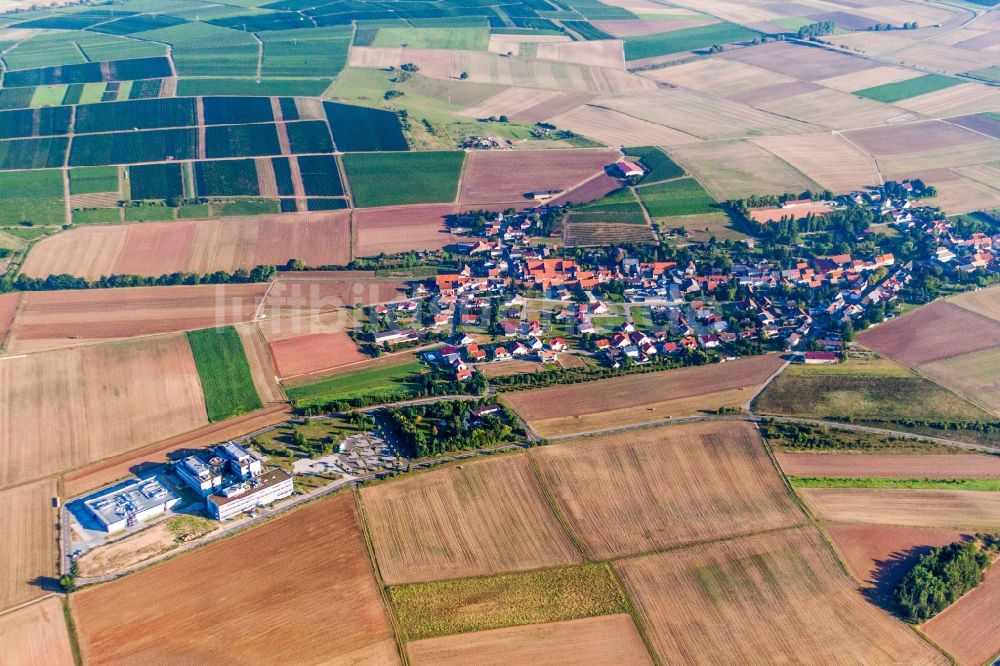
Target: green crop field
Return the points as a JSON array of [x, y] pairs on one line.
[[241, 140], [156, 181], [319, 176], [97, 216], [403, 178], [34, 122], [226, 178], [225, 374], [133, 147], [33, 153], [237, 110], [309, 136], [492, 602], [48, 95], [35, 196], [250, 86], [894, 92], [311, 52], [244, 207], [386, 383], [657, 164], [863, 392], [358, 128], [87, 180], [687, 39], [135, 114], [982, 485], [456, 39], [685, 196], [619, 207]]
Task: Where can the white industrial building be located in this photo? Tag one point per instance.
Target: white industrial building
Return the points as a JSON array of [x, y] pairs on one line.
[[204, 477], [128, 505], [247, 495]]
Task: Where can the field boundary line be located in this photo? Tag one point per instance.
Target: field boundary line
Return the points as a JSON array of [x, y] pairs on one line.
[[12, 331], [74, 641], [553, 503], [637, 619], [398, 636], [29, 602], [794, 496], [708, 542]]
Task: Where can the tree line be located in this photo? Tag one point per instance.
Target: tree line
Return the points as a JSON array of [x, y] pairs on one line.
[[64, 281], [942, 576]]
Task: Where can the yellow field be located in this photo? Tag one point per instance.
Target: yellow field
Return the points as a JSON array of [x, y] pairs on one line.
[[778, 598], [985, 302], [64, 408], [650, 489], [28, 548], [975, 376], [592, 641], [826, 158], [717, 76], [469, 520], [737, 169], [833, 109], [613, 128]]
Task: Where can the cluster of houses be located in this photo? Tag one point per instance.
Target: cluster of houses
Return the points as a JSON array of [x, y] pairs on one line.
[[979, 251]]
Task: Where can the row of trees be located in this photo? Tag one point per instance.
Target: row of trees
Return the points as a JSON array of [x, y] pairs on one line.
[[262, 273], [428, 430]]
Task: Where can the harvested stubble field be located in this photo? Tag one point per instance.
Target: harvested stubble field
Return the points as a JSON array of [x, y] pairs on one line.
[[493, 177], [261, 365], [313, 353], [65, 408], [592, 641], [972, 375], [198, 246], [36, 634], [28, 552], [615, 128], [440, 608], [471, 520], [634, 399], [914, 138], [802, 62], [8, 308], [310, 567], [304, 293], [760, 600], [401, 229], [524, 105], [934, 332], [651, 489], [828, 159], [736, 169], [960, 466], [985, 302], [970, 628], [878, 556], [951, 509], [68, 318]]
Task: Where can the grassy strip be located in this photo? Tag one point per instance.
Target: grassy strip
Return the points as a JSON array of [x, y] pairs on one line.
[[225, 374], [479, 604], [895, 92], [985, 485], [391, 382]]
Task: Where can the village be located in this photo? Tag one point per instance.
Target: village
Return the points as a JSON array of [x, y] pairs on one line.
[[518, 299]]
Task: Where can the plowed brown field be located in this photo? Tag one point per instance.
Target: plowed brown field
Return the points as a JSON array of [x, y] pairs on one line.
[[650, 489], [472, 520], [778, 598], [8, 308], [199, 246], [65, 408], [53, 319], [970, 628], [313, 353], [592, 641], [934, 332], [961, 466], [28, 548], [36, 635], [956, 509], [303, 293], [491, 177], [296, 589], [401, 229], [634, 399], [879, 556]]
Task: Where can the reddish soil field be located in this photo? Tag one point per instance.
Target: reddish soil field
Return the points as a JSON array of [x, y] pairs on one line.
[[878, 556], [94, 476], [303, 293], [314, 353], [970, 628], [592, 190], [65, 318], [401, 228], [8, 308], [155, 249], [491, 177], [934, 332], [897, 466], [979, 123], [298, 589], [36, 635], [913, 137], [318, 239]]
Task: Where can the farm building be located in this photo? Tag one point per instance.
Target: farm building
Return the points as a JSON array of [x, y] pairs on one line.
[[819, 357], [628, 169], [135, 502]]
